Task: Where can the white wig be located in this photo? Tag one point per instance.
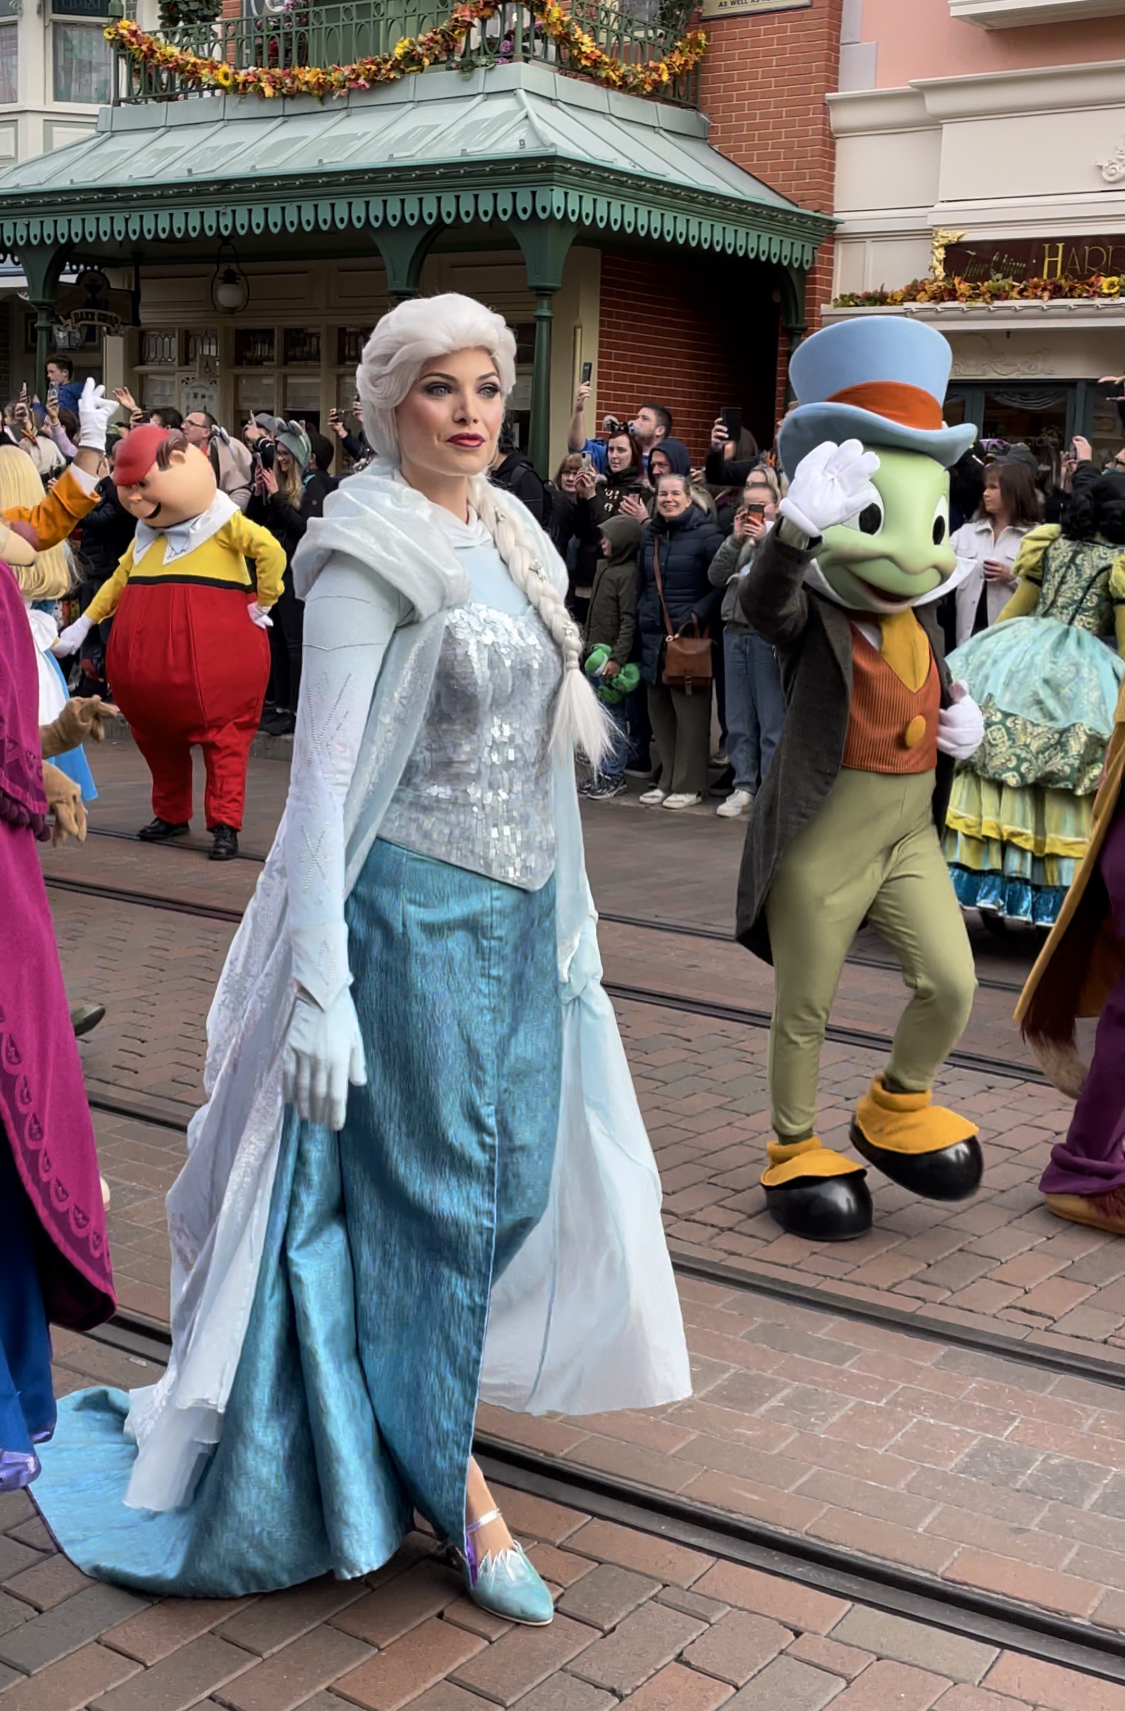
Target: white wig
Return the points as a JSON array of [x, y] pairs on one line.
[[404, 341], [414, 334]]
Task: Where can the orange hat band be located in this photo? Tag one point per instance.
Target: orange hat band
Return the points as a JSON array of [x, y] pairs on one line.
[[912, 406]]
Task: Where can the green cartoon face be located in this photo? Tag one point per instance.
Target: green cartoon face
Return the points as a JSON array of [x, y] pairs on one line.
[[892, 554]]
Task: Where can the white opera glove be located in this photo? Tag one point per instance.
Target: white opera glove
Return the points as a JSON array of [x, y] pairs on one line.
[[960, 727], [95, 411], [259, 615], [831, 485], [323, 1055], [72, 638]]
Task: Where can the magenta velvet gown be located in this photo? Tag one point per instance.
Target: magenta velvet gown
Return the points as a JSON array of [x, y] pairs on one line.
[[54, 1256]]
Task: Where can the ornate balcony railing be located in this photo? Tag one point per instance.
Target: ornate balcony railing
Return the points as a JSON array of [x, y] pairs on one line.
[[338, 32]]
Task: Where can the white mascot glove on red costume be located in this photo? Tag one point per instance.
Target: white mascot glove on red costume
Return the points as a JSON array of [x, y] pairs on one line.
[[831, 485], [72, 638], [960, 727], [324, 1053], [259, 616]]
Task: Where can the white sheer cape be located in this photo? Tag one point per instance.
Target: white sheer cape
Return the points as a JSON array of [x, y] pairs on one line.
[[586, 1318]]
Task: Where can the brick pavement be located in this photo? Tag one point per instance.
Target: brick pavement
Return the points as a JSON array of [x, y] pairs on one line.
[[999, 1477], [642, 1622]]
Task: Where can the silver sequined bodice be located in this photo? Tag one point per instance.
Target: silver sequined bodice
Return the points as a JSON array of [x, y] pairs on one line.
[[476, 789]]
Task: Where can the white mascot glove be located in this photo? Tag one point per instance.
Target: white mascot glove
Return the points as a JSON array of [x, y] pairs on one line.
[[831, 485], [72, 638], [94, 413], [324, 1052], [960, 727], [259, 616]]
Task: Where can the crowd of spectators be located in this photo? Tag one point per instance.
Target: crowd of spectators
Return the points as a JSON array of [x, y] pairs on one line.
[[653, 546]]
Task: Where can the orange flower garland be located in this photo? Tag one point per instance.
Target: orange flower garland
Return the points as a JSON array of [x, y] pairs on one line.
[[411, 54], [959, 290]]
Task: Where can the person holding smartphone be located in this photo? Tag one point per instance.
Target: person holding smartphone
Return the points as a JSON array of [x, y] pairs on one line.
[[1009, 507], [755, 704]]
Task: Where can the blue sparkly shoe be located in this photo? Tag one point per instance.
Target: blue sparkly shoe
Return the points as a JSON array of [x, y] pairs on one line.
[[505, 1582]]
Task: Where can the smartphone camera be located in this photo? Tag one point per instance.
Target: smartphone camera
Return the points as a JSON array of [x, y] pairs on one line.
[[265, 453]]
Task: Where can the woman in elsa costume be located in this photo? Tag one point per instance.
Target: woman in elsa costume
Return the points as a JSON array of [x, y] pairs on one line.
[[421, 1176], [1021, 810]]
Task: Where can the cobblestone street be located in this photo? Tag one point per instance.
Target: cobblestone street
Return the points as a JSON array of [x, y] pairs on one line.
[[997, 1470]]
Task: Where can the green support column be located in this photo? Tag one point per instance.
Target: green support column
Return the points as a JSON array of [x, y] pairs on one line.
[[42, 265], [545, 245], [403, 250]]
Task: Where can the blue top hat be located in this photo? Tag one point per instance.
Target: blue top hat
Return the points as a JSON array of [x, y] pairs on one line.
[[880, 379]]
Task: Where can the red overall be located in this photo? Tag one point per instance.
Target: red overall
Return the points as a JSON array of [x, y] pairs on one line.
[[187, 666]]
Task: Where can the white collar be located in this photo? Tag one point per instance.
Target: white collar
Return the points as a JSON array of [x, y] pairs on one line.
[[183, 538]]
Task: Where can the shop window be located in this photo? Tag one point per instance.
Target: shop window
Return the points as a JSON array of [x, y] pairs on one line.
[[254, 347], [82, 62], [254, 392], [9, 52], [349, 344], [158, 350], [158, 391], [301, 344], [302, 400], [201, 346]]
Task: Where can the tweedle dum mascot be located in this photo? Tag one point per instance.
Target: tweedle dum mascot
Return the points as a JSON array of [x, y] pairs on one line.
[[188, 655], [846, 826]]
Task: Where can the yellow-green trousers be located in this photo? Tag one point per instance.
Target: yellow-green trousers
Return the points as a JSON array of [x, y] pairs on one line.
[[871, 854]]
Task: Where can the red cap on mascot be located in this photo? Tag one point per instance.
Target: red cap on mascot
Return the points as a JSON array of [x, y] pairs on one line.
[[136, 454]]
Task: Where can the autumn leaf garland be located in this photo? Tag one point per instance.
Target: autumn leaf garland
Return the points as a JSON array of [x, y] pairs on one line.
[[411, 54]]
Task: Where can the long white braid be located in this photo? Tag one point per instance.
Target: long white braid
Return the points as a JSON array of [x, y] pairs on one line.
[[579, 716]]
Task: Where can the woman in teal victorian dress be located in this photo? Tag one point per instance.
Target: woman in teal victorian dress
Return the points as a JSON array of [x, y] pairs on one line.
[[421, 1177], [1046, 677]]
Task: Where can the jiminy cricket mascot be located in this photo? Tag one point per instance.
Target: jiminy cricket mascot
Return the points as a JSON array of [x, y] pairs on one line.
[[845, 829]]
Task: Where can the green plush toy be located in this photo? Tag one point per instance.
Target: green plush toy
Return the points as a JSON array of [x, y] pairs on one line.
[[611, 690]]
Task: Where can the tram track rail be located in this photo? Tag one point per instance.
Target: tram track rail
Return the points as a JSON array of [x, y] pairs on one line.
[[839, 1033], [923, 1323], [940, 1605]]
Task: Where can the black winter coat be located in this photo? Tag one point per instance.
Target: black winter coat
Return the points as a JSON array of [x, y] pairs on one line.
[[687, 544], [812, 637], [107, 531]]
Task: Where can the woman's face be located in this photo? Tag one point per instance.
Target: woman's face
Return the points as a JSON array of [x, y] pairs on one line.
[[284, 463], [570, 480], [619, 454], [672, 497], [449, 421], [993, 496], [659, 464]]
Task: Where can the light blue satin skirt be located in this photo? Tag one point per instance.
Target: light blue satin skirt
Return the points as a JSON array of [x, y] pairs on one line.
[[356, 1391]]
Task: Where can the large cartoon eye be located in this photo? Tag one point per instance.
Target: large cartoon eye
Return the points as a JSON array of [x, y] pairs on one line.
[[870, 519], [941, 520]]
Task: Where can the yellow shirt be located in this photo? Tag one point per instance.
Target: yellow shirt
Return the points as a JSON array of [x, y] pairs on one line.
[[221, 558]]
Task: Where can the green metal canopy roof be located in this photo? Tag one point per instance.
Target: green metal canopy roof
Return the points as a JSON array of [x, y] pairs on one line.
[[512, 142]]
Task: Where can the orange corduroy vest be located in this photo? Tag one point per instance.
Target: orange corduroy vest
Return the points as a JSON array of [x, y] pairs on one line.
[[891, 727]]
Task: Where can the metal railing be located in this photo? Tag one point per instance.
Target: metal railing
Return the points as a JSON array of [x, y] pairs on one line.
[[339, 32]]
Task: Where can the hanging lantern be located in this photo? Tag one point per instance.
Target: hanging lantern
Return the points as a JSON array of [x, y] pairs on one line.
[[230, 288]]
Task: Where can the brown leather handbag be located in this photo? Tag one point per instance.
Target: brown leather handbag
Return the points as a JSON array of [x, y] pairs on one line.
[[688, 663]]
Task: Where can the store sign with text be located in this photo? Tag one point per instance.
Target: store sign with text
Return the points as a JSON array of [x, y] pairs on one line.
[[739, 8], [1036, 258]]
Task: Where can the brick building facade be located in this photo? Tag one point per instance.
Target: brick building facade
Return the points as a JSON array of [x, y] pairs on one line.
[[697, 340]]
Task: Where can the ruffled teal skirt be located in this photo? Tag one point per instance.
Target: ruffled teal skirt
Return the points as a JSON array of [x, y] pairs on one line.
[[356, 1391]]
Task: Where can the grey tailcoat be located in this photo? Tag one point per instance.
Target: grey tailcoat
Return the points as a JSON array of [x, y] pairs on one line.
[[813, 639]]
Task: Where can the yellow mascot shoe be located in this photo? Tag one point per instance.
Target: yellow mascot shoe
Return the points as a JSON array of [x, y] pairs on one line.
[[815, 1193], [921, 1146]]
